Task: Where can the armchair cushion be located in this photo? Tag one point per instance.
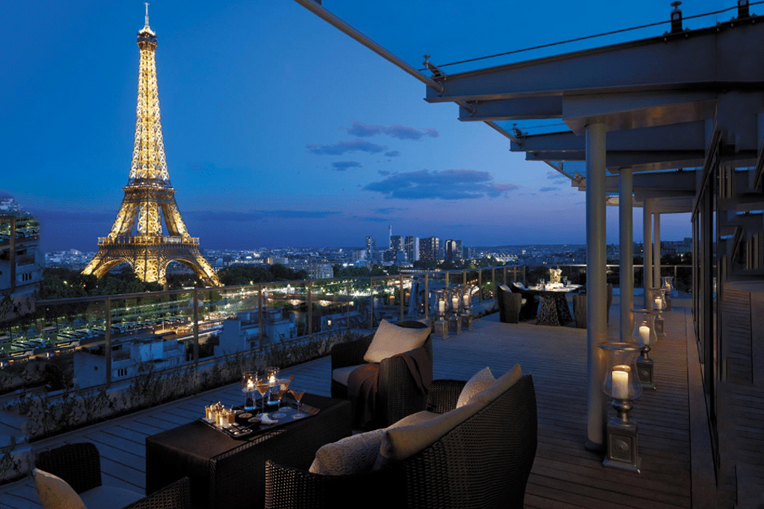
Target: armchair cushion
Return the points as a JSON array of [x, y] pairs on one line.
[[401, 442], [390, 340], [54, 492], [502, 383], [351, 455], [341, 375], [479, 381]]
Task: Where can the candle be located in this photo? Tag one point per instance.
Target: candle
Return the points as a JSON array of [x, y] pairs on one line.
[[455, 303], [644, 333], [466, 302], [658, 303], [621, 382], [250, 385], [441, 306]]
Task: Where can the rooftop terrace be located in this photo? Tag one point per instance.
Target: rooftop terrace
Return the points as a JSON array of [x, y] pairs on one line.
[[677, 469]]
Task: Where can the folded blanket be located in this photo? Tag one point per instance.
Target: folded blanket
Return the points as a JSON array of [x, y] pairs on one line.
[[362, 392], [363, 384]]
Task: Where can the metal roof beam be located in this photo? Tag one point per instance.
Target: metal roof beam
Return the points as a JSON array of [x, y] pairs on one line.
[[514, 109], [659, 63]]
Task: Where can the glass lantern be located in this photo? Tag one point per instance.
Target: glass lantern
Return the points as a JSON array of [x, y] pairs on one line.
[[442, 304], [644, 327], [272, 375], [621, 382]]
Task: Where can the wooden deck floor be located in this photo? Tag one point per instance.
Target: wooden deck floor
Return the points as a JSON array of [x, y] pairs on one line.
[[564, 474]]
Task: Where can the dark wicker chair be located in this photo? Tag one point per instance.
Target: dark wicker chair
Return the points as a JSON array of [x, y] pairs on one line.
[[79, 464], [530, 306], [397, 393], [483, 462], [509, 304]]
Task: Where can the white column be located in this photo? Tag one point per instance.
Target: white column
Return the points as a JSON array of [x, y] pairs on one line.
[[596, 283], [626, 232], [657, 250], [647, 241]]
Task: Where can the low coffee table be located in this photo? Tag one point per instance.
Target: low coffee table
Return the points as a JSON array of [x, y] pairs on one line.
[[227, 472]]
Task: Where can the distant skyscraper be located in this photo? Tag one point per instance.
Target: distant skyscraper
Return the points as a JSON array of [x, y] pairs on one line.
[[390, 236], [453, 250], [428, 249], [370, 246], [411, 246], [397, 246]]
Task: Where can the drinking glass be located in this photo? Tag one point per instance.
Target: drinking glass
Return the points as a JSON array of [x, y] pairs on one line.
[[262, 387], [248, 383], [298, 397], [272, 375], [283, 386]]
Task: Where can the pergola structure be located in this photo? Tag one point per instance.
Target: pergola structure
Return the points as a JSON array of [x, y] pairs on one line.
[[673, 123]]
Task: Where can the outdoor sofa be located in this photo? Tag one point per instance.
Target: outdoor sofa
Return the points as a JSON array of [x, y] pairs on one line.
[[477, 455]]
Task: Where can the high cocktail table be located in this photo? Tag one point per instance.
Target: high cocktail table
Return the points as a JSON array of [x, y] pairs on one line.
[[230, 473]]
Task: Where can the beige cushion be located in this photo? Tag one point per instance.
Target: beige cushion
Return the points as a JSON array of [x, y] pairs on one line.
[[479, 381], [401, 442], [390, 340], [55, 493], [419, 417], [341, 375], [501, 384], [351, 455]]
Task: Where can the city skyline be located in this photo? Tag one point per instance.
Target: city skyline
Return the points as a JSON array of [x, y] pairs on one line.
[[279, 133]]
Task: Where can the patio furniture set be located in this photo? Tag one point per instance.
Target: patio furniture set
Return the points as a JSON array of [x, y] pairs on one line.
[[418, 443]]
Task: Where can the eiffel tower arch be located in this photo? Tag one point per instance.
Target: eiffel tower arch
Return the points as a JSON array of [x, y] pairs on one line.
[[137, 236]]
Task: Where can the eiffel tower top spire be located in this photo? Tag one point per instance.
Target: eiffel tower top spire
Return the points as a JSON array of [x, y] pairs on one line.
[[149, 164]]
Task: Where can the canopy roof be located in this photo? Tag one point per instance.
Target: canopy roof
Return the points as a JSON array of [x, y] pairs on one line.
[[662, 97]]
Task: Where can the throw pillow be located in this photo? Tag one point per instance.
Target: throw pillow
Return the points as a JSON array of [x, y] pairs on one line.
[[479, 381], [54, 492], [501, 384], [401, 442], [390, 340], [351, 455]]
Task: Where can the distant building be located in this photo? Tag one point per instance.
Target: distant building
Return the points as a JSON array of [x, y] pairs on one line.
[[453, 250], [429, 248], [370, 247], [320, 271], [131, 358], [411, 246], [21, 261]]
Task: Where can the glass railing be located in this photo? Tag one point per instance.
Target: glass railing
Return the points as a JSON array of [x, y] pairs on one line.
[[106, 355]]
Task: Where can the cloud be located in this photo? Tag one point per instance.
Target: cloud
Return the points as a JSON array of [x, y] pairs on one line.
[[444, 185], [342, 147], [392, 153], [400, 132], [389, 210], [344, 165], [548, 189]]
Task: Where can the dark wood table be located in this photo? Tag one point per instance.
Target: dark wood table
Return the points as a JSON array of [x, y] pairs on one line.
[[554, 304], [230, 473]]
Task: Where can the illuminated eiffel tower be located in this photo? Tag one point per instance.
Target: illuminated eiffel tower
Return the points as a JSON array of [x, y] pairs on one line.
[[136, 236]]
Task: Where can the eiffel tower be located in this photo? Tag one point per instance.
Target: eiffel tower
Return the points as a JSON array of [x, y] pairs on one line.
[[136, 236]]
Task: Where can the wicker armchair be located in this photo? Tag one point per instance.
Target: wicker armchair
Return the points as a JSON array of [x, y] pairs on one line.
[[530, 306], [397, 394], [79, 464], [484, 461]]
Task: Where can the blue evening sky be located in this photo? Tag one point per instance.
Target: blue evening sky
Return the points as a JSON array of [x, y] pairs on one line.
[[282, 131]]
